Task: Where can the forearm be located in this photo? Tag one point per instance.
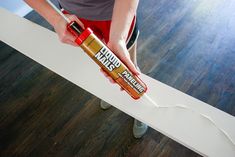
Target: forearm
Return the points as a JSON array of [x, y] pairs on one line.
[[123, 14], [45, 10]]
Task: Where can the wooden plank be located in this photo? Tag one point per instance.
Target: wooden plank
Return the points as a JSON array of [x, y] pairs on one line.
[[184, 126]]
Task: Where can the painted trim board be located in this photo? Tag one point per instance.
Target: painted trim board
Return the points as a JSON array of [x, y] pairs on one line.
[[185, 127]]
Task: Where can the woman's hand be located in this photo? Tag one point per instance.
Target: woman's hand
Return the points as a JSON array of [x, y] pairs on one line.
[[64, 35], [118, 47], [59, 24]]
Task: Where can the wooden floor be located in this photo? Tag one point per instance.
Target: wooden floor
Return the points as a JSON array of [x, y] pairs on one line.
[[187, 44]]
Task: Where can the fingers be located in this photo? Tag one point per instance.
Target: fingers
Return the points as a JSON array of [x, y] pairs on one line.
[[61, 29], [119, 48], [70, 43], [67, 38], [128, 62]]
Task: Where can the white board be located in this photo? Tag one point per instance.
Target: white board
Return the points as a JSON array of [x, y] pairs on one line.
[[183, 126]]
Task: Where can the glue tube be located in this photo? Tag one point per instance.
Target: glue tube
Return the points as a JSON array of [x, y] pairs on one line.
[[107, 60]]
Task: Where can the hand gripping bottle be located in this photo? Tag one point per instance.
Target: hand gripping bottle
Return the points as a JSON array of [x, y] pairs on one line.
[[107, 60]]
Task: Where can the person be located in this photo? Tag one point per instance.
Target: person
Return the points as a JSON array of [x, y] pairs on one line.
[[113, 21]]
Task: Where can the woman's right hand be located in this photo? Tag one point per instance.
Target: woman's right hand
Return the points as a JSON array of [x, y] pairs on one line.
[[64, 35]]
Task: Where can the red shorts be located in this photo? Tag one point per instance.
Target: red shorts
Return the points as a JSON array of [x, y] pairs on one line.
[[102, 29]]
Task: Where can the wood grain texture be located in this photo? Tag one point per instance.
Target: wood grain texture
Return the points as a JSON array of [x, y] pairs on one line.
[[188, 45]]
